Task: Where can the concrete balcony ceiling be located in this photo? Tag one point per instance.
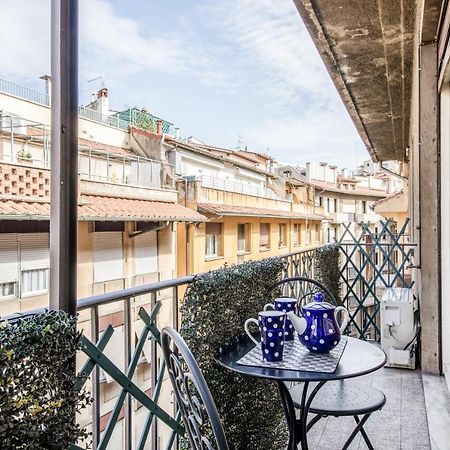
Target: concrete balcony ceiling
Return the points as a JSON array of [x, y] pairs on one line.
[[367, 48]]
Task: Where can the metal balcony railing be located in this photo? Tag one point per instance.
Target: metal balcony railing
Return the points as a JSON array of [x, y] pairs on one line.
[[95, 116], [144, 310], [24, 92], [145, 121], [238, 187]]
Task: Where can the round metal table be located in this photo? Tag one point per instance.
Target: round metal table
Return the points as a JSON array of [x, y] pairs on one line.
[[359, 358]]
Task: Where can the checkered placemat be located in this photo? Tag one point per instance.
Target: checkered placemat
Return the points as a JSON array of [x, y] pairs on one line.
[[298, 357]]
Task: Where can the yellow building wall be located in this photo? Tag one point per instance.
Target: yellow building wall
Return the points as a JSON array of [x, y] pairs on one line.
[[197, 262]]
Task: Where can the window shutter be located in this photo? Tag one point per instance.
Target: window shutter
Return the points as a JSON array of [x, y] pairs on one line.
[[34, 251], [9, 258], [264, 234], [145, 253], [108, 256], [213, 228]]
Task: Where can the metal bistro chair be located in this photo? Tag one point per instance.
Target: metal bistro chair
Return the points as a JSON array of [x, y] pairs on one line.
[[336, 398], [197, 407]]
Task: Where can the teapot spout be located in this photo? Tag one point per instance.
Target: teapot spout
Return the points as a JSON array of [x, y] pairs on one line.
[[298, 322]]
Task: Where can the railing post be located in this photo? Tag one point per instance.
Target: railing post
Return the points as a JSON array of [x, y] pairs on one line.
[[127, 352], [95, 383], [154, 377]]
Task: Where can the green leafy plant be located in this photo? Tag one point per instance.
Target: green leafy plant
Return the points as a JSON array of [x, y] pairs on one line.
[[327, 263], [24, 155], [38, 402], [214, 310]]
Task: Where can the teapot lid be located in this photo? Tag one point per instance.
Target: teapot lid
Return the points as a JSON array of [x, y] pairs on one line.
[[319, 303]]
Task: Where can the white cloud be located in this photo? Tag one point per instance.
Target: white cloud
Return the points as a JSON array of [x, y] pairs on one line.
[[25, 38], [274, 43], [318, 136]]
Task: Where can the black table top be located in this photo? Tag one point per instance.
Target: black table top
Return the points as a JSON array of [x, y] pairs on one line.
[[359, 358]]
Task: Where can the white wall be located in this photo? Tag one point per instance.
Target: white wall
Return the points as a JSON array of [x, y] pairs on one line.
[[445, 228]]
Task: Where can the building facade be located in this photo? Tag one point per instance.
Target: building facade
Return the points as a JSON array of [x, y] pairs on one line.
[[251, 212]]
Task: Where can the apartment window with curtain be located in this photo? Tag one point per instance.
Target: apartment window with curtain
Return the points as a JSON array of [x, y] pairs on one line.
[[308, 234], [282, 235], [213, 240], [264, 236], [243, 238], [297, 233]]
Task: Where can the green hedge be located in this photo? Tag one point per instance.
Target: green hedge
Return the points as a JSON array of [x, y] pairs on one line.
[[327, 268], [37, 397], [214, 310]]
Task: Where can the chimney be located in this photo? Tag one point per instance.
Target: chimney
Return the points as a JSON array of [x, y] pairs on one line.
[[177, 133], [159, 126], [102, 102]]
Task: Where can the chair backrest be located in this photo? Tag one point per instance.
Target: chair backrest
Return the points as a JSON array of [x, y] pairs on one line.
[[198, 410], [301, 288]]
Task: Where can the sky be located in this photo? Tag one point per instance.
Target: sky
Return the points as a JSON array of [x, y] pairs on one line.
[[228, 72]]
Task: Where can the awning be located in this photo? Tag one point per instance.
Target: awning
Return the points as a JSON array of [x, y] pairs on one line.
[[244, 211], [93, 207]]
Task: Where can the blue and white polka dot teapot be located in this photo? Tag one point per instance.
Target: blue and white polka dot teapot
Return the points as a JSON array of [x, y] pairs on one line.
[[318, 328]]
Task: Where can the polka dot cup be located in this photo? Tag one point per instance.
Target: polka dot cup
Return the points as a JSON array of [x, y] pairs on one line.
[[271, 327], [285, 305]]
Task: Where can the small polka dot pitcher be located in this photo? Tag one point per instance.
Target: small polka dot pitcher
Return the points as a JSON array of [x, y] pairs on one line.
[[318, 329], [271, 327]]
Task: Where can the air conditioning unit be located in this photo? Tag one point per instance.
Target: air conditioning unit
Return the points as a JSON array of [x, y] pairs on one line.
[[399, 327]]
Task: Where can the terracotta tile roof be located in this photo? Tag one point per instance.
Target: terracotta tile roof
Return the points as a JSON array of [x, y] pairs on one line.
[[92, 207], [358, 191], [389, 197], [244, 211], [224, 155]]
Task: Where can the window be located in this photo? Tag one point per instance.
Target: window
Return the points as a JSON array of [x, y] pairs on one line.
[[34, 281], [328, 234], [335, 205], [320, 201], [328, 204], [8, 289], [145, 253], [364, 206], [297, 233], [317, 233], [282, 235], [24, 264], [213, 238], [34, 263], [108, 256], [9, 264], [243, 238], [308, 234], [264, 236]]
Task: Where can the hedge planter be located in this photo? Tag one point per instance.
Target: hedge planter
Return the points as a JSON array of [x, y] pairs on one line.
[[38, 401], [214, 310]]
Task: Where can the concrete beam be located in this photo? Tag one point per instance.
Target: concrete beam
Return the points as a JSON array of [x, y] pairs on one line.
[[429, 207]]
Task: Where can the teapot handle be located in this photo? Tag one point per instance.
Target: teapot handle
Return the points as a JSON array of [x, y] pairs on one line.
[[247, 322], [345, 320], [268, 306]]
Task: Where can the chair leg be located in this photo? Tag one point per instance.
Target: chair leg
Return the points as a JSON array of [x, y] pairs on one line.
[[356, 431], [313, 421], [364, 434]]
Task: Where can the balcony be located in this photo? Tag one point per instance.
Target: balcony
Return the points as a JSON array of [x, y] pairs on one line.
[[133, 313], [238, 187]]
